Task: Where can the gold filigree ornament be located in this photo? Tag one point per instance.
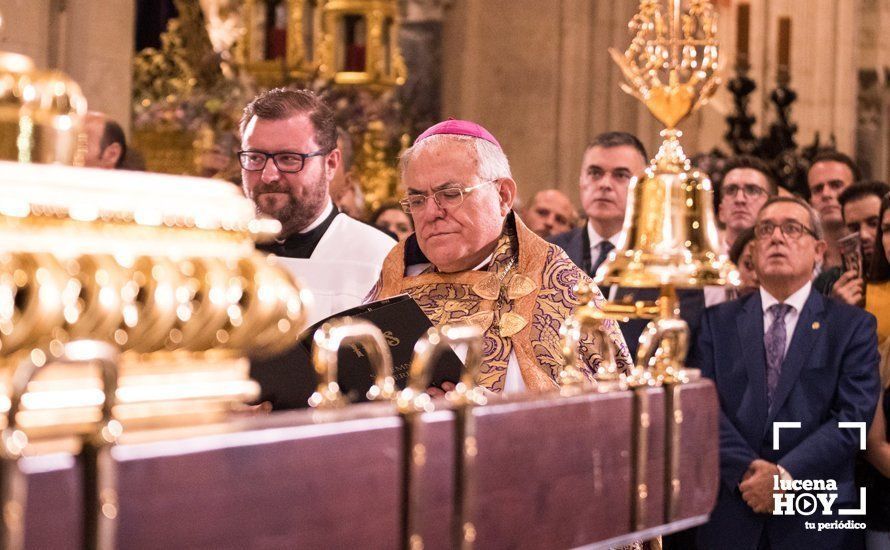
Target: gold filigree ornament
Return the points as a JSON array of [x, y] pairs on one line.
[[672, 62], [488, 288], [511, 323], [520, 286], [672, 241]]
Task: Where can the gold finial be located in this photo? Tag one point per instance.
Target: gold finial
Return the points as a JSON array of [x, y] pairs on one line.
[[672, 61]]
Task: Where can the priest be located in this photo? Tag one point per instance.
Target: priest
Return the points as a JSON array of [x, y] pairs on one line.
[[288, 157], [472, 261]]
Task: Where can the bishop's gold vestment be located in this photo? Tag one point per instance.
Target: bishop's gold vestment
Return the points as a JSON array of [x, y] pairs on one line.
[[520, 300]]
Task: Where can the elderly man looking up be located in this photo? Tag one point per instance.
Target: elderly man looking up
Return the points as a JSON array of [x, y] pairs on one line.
[[472, 261], [550, 213], [786, 355]]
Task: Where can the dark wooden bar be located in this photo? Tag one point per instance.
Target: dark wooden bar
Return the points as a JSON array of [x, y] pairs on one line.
[[549, 471], [552, 473], [291, 480], [54, 501]]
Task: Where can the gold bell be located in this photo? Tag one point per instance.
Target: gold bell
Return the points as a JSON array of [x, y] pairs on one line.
[[41, 113], [671, 237]]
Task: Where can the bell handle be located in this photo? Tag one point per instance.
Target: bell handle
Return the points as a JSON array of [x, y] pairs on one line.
[[13, 441], [427, 350], [73, 352], [327, 342], [571, 377], [102, 508], [654, 339]]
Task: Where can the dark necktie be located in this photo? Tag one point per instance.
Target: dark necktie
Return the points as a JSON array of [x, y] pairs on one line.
[[605, 247], [774, 342]]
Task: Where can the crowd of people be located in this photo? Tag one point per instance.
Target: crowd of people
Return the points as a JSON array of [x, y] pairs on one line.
[[803, 340]]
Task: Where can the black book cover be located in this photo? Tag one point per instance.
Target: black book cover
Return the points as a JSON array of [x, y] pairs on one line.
[[288, 380]]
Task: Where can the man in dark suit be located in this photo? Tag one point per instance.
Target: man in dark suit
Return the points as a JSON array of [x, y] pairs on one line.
[[786, 354], [610, 162]]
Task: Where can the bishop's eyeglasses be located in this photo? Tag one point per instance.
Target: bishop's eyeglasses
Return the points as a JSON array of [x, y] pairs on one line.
[[449, 197], [288, 162]]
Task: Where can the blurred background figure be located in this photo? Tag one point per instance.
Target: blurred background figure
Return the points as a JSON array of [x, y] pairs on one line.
[[747, 184], [877, 302], [218, 160], [550, 213], [860, 213], [346, 190], [877, 293], [828, 176], [106, 142], [391, 218], [741, 255], [134, 160]]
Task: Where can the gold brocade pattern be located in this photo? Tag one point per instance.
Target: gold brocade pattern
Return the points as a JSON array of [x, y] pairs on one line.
[[520, 301], [480, 303]]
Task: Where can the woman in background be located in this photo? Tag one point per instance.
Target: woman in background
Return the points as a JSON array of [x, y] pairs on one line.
[[877, 302], [740, 255], [390, 217]]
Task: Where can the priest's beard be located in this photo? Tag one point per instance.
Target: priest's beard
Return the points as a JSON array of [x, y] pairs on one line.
[[299, 210]]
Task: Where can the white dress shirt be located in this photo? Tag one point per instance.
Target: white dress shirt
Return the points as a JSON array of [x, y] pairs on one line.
[[796, 301], [596, 240], [718, 294]]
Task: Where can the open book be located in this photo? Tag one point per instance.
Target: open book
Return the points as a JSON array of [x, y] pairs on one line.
[[288, 380]]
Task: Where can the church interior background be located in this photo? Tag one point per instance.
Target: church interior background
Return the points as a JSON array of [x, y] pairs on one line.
[[175, 74]]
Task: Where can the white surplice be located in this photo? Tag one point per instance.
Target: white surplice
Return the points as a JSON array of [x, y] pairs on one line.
[[343, 267]]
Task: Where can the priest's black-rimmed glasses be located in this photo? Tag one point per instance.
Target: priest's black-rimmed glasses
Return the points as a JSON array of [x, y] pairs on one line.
[[288, 162], [449, 197]]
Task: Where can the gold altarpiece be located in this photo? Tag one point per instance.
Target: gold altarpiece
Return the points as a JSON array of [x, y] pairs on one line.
[[341, 48]]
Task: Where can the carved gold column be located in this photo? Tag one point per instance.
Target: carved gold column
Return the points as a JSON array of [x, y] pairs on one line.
[[360, 48]]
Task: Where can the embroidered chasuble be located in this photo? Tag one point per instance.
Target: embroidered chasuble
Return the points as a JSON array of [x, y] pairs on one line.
[[520, 301]]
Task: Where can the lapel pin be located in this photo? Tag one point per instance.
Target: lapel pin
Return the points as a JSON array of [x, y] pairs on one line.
[[816, 325]]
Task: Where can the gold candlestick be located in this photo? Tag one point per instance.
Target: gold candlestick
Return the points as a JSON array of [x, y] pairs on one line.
[[783, 53], [743, 32], [671, 237]]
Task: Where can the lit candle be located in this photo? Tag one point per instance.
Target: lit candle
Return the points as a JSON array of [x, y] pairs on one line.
[[743, 29], [785, 42]]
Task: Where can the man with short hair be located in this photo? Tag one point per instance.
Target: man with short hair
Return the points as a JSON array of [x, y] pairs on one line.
[[747, 184], [472, 261], [550, 213], [831, 173], [610, 162], [786, 354], [289, 156], [105, 140], [861, 209]]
